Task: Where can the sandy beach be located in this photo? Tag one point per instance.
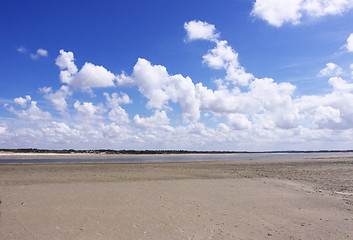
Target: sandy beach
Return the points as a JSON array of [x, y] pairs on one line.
[[298, 198]]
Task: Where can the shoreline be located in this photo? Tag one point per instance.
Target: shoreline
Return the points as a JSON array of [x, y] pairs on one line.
[[166, 158]]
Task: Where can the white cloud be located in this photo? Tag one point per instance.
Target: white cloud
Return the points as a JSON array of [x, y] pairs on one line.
[[331, 69], [221, 56], [57, 98], [340, 86], [158, 119], [275, 102], [238, 121], [3, 129], [333, 110], [65, 61], [159, 88], [114, 99], [326, 117], [200, 30], [61, 131], [264, 94], [124, 80], [117, 114], [270, 94], [90, 75], [319, 8], [351, 67], [223, 128], [224, 57], [242, 112], [198, 130], [152, 82], [279, 12], [22, 49], [32, 113], [237, 74], [224, 101], [87, 112], [40, 53], [350, 43], [21, 101]]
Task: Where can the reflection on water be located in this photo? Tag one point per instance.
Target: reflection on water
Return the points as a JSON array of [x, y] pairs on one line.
[[171, 157]]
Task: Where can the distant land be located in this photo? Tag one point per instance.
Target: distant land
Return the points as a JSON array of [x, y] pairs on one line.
[[110, 151]]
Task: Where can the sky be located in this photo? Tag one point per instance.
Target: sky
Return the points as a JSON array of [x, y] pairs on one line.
[[231, 75]]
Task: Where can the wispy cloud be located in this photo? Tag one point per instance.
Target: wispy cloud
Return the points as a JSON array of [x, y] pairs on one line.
[[40, 53]]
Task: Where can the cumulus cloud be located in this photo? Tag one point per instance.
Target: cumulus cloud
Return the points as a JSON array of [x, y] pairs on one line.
[[86, 111], [124, 80], [200, 30], [61, 131], [221, 56], [241, 112], [90, 75], [268, 100], [238, 121], [333, 110], [237, 74], [340, 86], [57, 98], [349, 45], [22, 101], [159, 88], [318, 8], [114, 99], [40, 53], [65, 61], [158, 119], [331, 69], [279, 12], [224, 57], [31, 113], [326, 117], [117, 114]]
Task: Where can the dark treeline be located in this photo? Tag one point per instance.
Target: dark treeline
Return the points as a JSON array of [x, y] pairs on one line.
[[110, 151]]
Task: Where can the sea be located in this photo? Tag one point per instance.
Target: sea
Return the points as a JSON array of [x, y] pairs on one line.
[[144, 158]]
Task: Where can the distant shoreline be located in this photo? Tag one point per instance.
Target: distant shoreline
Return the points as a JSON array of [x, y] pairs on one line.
[[148, 152], [93, 158]]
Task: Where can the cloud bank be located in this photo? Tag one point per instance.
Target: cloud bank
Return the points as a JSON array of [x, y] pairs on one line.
[[243, 112]]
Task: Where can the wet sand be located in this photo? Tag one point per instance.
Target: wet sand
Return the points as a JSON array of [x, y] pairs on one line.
[[300, 198]]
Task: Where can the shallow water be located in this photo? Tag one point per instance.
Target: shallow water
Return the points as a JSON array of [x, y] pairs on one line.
[[166, 157]]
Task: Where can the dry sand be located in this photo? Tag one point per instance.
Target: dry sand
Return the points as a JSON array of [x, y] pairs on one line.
[[264, 199]]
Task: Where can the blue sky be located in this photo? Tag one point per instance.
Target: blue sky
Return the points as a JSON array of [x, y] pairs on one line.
[[197, 75]]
